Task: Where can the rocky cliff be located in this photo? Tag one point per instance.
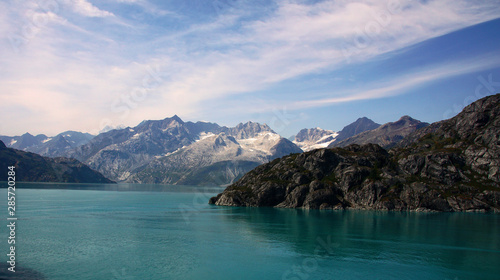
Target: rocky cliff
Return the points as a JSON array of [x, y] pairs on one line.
[[451, 165]]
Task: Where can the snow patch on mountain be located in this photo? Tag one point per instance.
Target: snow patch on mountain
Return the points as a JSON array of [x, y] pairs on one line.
[[314, 138], [204, 135], [263, 142]]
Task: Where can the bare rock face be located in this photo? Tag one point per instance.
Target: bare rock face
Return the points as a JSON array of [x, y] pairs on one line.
[[474, 134], [451, 165]]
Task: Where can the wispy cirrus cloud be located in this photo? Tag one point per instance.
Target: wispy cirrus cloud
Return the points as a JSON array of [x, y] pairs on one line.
[[149, 7], [236, 52], [301, 39], [86, 8], [404, 82]]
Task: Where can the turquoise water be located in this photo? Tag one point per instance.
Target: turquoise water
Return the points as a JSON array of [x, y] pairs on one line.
[[170, 232]]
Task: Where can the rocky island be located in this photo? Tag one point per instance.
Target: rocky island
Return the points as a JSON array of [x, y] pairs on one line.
[[452, 165]]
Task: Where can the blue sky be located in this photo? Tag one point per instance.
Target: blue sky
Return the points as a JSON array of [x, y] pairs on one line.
[[84, 65]]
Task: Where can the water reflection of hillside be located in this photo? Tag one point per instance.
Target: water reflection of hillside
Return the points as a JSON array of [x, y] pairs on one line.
[[119, 187], [467, 240]]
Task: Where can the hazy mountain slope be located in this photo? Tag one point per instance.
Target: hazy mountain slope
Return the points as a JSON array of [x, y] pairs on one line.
[[31, 167], [24, 141], [60, 144], [47, 146]]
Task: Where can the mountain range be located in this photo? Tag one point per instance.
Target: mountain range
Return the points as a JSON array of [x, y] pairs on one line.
[[451, 165], [171, 151]]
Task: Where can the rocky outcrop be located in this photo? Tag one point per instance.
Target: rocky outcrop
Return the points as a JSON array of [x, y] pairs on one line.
[[447, 166], [474, 134], [31, 167]]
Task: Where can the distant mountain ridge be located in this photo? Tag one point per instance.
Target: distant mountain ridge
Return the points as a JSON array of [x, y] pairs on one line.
[[318, 138], [386, 135], [47, 146], [362, 131]]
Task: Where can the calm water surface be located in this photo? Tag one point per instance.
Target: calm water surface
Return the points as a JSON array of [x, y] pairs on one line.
[[170, 232]]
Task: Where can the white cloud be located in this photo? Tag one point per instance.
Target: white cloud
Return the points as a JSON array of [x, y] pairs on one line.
[[86, 8]]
